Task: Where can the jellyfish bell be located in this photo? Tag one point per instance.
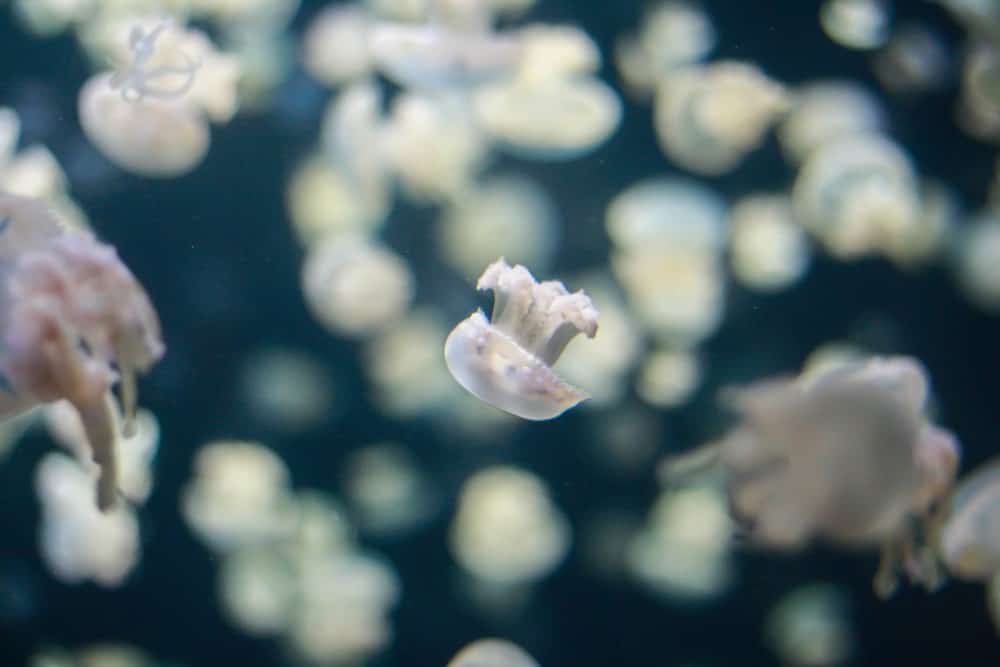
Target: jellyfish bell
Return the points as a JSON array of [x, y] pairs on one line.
[[970, 541], [507, 362], [157, 138], [492, 653]]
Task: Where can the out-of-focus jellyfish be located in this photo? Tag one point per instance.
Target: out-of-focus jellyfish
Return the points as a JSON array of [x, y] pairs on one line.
[[668, 212], [257, 590], [50, 17], [624, 438], [10, 133], [94, 655], [979, 107], [667, 378], [856, 24], [140, 76], [604, 541], [970, 540], [977, 260], [672, 34], [602, 363], [507, 361], [828, 111], [507, 215], [507, 531], [388, 492], [492, 653], [75, 322], [768, 249], [335, 45], [847, 455], [810, 627], [858, 195], [434, 146], [323, 201], [552, 51], [915, 60], [287, 389], [709, 117], [356, 287], [153, 137], [683, 550], [79, 542], [239, 496], [352, 136]]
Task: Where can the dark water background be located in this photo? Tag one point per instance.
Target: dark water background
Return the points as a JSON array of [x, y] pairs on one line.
[[217, 255]]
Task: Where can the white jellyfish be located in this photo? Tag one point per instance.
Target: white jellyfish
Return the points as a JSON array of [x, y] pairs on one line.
[[970, 540], [74, 322], [827, 111], [768, 249], [137, 78], [492, 653], [507, 361], [335, 45], [809, 627], [856, 24]]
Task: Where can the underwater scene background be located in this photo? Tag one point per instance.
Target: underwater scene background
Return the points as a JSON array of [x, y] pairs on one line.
[[246, 359]]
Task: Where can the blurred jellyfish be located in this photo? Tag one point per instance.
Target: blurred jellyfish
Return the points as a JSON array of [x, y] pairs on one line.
[[970, 540], [508, 215], [323, 201], [287, 389], [507, 531], [50, 17], [768, 250], [507, 361], [388, 492], [113, 655], [602, 363], [828, 111], [979, 107], [257, 590], [239, 496], [492, 653], [674, 213], [915, 60], [75, 322], [847, 455], [10, 132], [977, 260], [708, 118], [672, 34], [858, 195], [79, 542], [625, 438], [551, 51], [668, 378], [683, 549], [434, 146], [335, 45], [810, 627], [856, 24], [354, 286], [141, 76]]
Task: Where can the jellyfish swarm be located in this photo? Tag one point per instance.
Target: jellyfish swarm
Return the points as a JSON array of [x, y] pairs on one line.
[[73, 321], [846, 455], [507, 362]]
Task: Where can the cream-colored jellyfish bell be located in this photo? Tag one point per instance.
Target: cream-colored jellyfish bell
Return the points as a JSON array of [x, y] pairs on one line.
[[970, 541], [492, 653], [74, 321], [507, 361]]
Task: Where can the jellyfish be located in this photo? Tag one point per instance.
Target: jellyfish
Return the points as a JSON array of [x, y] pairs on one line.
[[136, 78], [492, 653], [970, 540], [74, 321], [507, 361]]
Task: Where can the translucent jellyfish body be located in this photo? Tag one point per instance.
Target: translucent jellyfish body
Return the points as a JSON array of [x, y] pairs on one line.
[[768, 248], [828, 111], [809, 627], [977, 260], [708, 118], [970, 541], [856, 24], [335, 45], [492, 653], [507, 361], [507, 531], [354, 286], [75, 321]]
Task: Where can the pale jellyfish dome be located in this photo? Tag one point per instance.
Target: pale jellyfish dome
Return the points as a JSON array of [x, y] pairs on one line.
[[856, 24], [508, 215], [709, 117], [149, 137], [809, 627], [355, 287], [667, 378], [549, 119], [977, 260], [672, 212], [507, 361], [323, 202], [388, 492], [556, 51], [768, 248], [507, 529], [683, 549], [257, 590], [287, 388], [492, 653], [828, 111], [335, 45], [970, 541], [857, 195], [352, 139]]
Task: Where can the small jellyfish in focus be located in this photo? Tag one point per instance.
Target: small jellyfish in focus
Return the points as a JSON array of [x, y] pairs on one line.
[[810, 627], [356, 286], [856, 24], [970, 540], [76, 322], [492, 653], [507, 532], [506, 361], [708, 118]]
